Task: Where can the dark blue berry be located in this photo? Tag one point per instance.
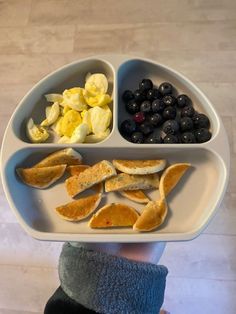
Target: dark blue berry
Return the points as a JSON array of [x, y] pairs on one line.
[[146, 128], [153, 94], [156, 119], [145, 85], [187, 111], [165, 88], [169, 100], [137, 137], [157, 106], [171, 139], [169, 113], [127, 127], [170, 127], [202, 135], [183, 100], [127, 96], [132, 106], [186, 124], [154, 138], [146, 106], [139, 96], [200, 120], [188, 137]]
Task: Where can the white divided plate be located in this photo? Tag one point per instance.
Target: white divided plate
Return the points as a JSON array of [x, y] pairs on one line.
[[191, 205]]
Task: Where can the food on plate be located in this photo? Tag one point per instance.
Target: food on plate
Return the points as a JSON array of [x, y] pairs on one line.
[[66, 156], [79, 209], [77, 115], [158, 116], [41, 177], [96, 84], [52, 114], [36, 133], [152, 216], [139, 166], [137, 196], [84, 177], [124, 181], [171, 177], [89, 177], [76, 170], [114, 215]]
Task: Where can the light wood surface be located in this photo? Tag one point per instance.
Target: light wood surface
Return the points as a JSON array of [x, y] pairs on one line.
[[197, 38]]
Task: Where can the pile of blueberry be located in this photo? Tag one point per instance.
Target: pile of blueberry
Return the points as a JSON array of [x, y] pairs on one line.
[[160, 117]]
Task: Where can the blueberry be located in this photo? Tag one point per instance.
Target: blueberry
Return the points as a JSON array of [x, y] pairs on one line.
[[169, 113], [187, 111], [200, 120], [202, 135], [146, 128], [127, 127], [188, 137], [146, 106], [127, 96], [139, 117], [170, 127], [137, 137], [186, 124], [169, 100], [183, 100], [153, 94], [171, 139], [139, 96], [132, 106], [157, 106], [156, 119], [154, 138], [145, 85], [165, 88]]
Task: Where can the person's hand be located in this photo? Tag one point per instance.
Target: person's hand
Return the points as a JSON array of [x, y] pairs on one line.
[[144, 252]]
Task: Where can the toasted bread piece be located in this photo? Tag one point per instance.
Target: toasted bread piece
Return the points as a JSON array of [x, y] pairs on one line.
[[171, 177], [152, 216], [135, 195], [89, 177], [66, 156], [139, 166], [79, 209], [41, 177], [114, 215], [76, 170], [124, 181]]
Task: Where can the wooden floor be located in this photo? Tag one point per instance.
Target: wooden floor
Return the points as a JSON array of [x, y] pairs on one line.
[[197, 38]]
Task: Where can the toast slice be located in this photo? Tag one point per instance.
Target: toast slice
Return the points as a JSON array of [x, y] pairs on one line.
[[114, 215], [139, 166], [41, 177], [79, 209], [89, 177], [171, 177], [152, 216], [66, 156], [137, 196], [77, 169], [124, 181]]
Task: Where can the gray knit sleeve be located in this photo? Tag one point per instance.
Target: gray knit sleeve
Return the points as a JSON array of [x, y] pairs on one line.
[[110, 284]]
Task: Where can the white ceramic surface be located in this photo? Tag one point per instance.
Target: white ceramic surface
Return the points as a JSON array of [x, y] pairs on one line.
[[192, 204]]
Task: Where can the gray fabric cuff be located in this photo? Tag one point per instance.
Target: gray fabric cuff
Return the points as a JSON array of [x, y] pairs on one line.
[[110, 284]]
